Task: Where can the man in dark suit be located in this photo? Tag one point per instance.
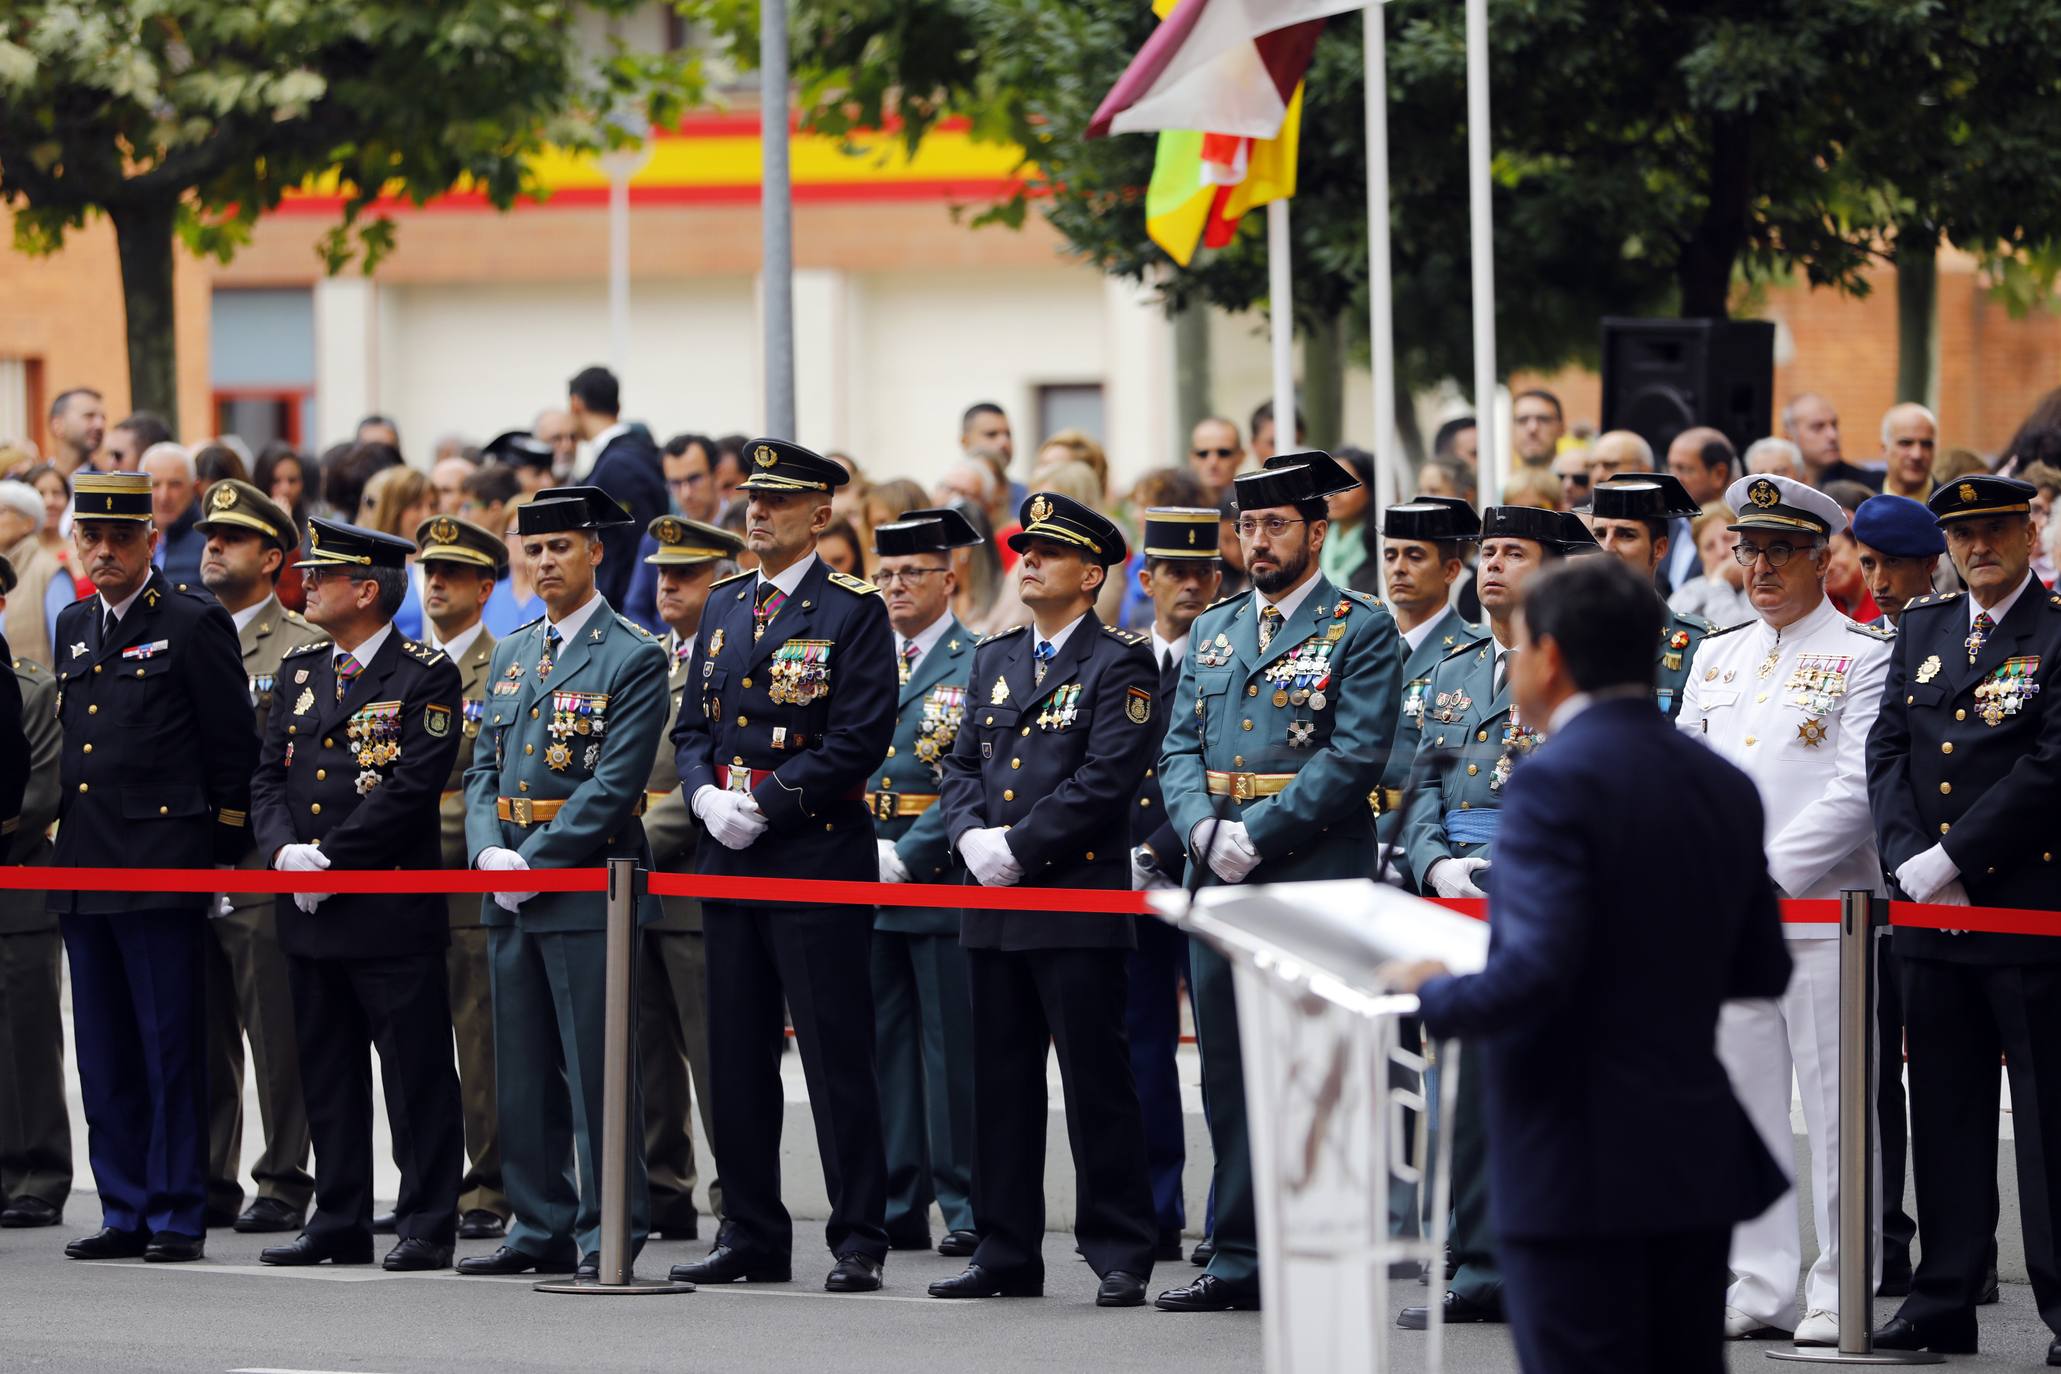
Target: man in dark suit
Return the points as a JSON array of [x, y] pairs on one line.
[[357, 749], [159, 744], [1038, 790], [626, 466], [1964, 776], [1622, 1168], [795, 670]]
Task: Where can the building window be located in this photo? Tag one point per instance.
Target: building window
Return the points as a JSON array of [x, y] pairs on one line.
[[260, 415], [1070, 405], [21, 400]]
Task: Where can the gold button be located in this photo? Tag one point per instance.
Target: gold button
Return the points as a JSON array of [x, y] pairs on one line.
[[1148, 772], [2046, 858], [166, 810], [529, 749], [1761, 699], [827, 825], [1909, 700], [96, 667], [82, 787], [1237, 760], [1091, 856], [522, 787], [887, 782], [742, 722], [1008, 795], [139, 672], [890, 751], [289, 730], [1026, 729], [321, 774], [89, 748], [1960, 715], [1945, 788], [1472, 769], [315, 808], [533, 713], [1018, 763], [746, 683], [1144, 801], [1947, 747], [92, 710], [991, 720], [1481, 734], [1252, 689], [1942, 827], [1466, 806], [1245, 725], [329, 742]]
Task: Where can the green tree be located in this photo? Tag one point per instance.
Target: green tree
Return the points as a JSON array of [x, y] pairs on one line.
[[188, 119]]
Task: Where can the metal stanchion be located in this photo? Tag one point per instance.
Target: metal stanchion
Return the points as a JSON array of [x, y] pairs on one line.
[[618, 1138], [1861, 914]]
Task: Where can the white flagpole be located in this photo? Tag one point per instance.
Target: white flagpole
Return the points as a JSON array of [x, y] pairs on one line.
[[1489, 434], [1281, 323], [1380, 292]]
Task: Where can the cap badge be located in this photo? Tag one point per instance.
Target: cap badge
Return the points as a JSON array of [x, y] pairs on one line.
[[1763, 493], [314, 538], [764, 456], [1041, 510], [444, 530], [1967, 492], [1191, 538], [669, 531], [224, 497]]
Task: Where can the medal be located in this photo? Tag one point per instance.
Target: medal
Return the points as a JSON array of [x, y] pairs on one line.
[[1929, 669], [557, 758], [1280, 696], [305, 701]]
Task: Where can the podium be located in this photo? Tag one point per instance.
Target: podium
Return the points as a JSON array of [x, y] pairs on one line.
[[1337, 1103]]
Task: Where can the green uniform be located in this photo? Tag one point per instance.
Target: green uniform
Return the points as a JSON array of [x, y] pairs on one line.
[[1446, 633], [35, 1127], [1679, 636]]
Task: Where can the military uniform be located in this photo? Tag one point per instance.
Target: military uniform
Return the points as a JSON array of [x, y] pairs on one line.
[[35, 1127], [1960, 772], [573, 715], [159, 744]]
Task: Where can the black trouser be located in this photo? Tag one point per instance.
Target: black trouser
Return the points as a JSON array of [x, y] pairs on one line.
[[1072, 1000], [343, 1008], [816, 959], [1665, 1312]]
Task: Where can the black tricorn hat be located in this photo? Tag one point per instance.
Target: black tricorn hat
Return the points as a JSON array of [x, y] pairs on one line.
[[569, 508], [1431, 518], [924, 531], [1289, 479], [1642, 496]]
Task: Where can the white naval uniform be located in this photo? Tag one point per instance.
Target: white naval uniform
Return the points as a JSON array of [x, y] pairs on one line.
[[1806, 748]]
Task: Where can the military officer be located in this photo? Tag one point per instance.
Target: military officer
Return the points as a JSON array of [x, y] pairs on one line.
[[159, 745], [1469, 737], [1038, 790], [349, 779], [1181, 574], [1630, 515], [1267, 777], [1899, 547], [1789, 697], [248, 539], [922, 1010], [672, 980], [35, 1127], [795, 669], [1964, 795], [461, 564], [575, 710]]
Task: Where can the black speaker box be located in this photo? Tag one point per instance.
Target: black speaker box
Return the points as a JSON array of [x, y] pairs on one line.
[[1661, 377]]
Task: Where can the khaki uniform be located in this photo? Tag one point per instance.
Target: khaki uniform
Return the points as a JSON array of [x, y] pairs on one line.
[[35, 1127]]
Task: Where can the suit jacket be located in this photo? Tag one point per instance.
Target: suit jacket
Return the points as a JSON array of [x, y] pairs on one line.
[[463, 908], [360, 777], [160, 740], [1638, 1133], [832, 635], [1058, 765], [630, 470], [269, 636], [22, 911], [1464, 714], [1448, 632], [668, 824], [929, 710], [1991, 801], [609, 678], [179, 551]]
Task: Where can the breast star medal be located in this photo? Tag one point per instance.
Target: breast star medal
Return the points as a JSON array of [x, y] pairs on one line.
[[1929, 669], [305, 702], [558, 758], [1000, 693], [1812, 733]]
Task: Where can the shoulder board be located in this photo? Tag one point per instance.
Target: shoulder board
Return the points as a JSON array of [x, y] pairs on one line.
[[1469, 646], [1729, 628], [526, 624], [422, 652], [634, 627], [725, 581], [1364, 598], [293, 617], [312, 646], [1226, 600], [29, 668], [1697, 623], [853, 584], [1936, 599], [2054, 598], [1001, 634], [1871, 631], [1126, 636]]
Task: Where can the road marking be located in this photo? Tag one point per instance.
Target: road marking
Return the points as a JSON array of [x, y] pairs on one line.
[[320, 1273], [268, 1369]]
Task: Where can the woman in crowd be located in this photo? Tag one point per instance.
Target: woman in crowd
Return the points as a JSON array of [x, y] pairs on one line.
[[514, 603], [50, 484], [838, 546], [396, 501], [1719, 596]]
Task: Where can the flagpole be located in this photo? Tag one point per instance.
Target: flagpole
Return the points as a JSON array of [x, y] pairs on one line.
[[1281, 323], [1380, 292], [1489, 434]]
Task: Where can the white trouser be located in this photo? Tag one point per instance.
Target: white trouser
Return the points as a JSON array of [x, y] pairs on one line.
[[1761, 1042]]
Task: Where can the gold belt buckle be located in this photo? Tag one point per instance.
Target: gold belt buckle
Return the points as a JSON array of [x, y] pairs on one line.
[[738, 780], [1242, 786], [520, 811]]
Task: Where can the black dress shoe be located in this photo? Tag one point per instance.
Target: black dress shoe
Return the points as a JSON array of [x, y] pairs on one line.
[[268, 1214], [589, 1270], [1169, 1247], [2054, 1352], [724, 1265], [959, 1244], [1205, 1250], [173, 1247], [508, 1260], [1210, 1294], [415, 1253], [386, 1224], [1121, 1288], [1898, 1333], [1457, 1310], [854, 1273], [30, 1211], [306, 1249], [480, 1224], [1991, 1294], [108, 1243], [979, 1282]]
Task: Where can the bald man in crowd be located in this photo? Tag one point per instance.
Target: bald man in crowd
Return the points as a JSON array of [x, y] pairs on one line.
[[1910, 441]]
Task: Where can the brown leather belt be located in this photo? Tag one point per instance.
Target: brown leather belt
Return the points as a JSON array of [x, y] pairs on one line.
[[526, 811], [886, 806], [1246, 786]]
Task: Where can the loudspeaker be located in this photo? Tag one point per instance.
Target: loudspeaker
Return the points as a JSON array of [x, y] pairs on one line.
[[1661, 377]]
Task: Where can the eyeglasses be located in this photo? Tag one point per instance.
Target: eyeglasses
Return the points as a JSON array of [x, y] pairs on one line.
[[1274, 525], [1574, 479], [1214, 452], [908, 575], [1776, 554]]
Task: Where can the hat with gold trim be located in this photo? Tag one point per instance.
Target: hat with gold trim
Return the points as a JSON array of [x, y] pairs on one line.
[[1971, 498], [925, 531], [1182, 532], [557, 509], [777, 465], [231, 505], [1289, 479], [1063, 520], [111, 496], [447, 539], [333, 544], [1770, 501], [684, 543], [1431, 518]]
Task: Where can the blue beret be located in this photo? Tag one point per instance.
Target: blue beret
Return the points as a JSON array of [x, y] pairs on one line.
[[1899, 527]]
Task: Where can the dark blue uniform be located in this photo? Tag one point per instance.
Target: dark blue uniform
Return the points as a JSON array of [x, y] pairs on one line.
[[1152, 1018]]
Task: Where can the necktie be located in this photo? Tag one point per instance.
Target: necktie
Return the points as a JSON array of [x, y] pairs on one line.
[[347, 670], [108, 625], [1044, 661], [1979, 636], [906, 665], [771, 599], [1503, 669], [1270, 621], [550, 658]]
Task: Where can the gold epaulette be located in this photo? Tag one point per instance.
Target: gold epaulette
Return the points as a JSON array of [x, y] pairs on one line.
[[986, 640], [858, 585], [726, 581], [1871, 631], [1131, 637], [312, 646], [421, 652]]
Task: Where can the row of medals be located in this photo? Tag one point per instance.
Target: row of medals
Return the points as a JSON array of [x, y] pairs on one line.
[[800, 670], [574, 714], [944, 709], [2006, 691], [375, 736]]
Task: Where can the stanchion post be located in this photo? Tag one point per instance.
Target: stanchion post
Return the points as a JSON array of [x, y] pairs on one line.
[[618, 1138], [1861, 914]]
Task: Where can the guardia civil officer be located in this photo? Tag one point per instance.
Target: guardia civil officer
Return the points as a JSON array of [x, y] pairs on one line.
[[1267, 777], [1964, 787], [922, 1011], [1789, 697], [1630, 515], [576, 707], [461, 564], [672, 977], [794, 670], [159, 746], [248, 539], [357, 748], [1038, 790]]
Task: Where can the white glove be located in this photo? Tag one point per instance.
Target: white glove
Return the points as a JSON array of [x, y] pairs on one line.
[[892, 869], [1455, 877], [223, 906], [495, 859], [989, 858], [1924, 874], [1231, 854], [300, 858], [1953, 894], [732, 817], [308, 901]]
